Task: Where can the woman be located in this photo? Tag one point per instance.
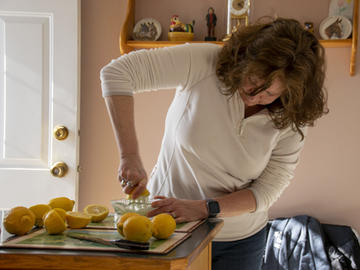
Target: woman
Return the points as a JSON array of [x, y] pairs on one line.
[[233, 133]]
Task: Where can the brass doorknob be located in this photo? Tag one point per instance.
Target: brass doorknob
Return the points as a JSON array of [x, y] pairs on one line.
[[59, 169], [61, 133]]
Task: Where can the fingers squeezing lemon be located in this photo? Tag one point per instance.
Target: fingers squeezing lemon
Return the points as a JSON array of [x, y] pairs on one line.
[[143, 195]]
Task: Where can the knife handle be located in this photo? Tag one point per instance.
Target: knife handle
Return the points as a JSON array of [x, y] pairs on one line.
[[131, 244]]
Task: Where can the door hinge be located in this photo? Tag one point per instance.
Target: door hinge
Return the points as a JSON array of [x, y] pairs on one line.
[[79, 169]]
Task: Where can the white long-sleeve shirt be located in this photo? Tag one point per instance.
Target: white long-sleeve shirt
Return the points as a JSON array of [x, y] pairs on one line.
[[209, 148]]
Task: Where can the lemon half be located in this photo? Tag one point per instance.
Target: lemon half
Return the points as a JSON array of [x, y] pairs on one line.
[[53, 222], [97, 212], [77, 220], [61, 212]]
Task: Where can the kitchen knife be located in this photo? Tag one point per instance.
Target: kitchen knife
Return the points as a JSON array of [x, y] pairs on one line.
[[121, 243]]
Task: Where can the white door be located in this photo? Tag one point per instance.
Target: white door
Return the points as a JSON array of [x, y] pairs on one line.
[[39, 90]]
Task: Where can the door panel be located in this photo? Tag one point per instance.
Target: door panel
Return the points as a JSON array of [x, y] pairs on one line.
[[39, 90], [25, 91]]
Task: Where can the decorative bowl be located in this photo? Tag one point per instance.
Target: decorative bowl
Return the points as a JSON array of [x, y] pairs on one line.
[[147, 29]]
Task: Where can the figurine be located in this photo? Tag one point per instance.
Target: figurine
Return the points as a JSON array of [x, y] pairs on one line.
[[177, 26], [211, 23], [309, 26], [334, 30], [179, 31]]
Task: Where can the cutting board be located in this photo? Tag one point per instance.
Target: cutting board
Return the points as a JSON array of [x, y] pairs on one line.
[[40, 239]]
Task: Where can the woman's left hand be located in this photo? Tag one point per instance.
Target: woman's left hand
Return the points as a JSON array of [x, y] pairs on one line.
[[181, 210]]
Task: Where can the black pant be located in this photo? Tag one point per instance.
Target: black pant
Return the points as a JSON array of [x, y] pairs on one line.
[[245, 254]]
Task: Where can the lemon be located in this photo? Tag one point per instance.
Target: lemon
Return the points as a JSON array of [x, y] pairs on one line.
[[20, 220], [144, 194], [137, 228], [97, 212], [163, 226], [53, 222], [77, 220], [62, 202], [120, 223], [61, 212], [40, 210]]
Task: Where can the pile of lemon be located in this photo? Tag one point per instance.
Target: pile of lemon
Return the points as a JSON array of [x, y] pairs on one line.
[[55, 216], [138, 228]]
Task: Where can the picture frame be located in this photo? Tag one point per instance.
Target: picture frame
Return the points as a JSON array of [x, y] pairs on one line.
[[341, 8]]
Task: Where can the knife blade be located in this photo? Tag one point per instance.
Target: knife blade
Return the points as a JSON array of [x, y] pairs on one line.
[[121, 243]]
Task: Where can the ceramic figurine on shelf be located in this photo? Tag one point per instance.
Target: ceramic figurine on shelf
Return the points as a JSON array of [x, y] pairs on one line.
[[309, 26], [177, 26], [179, 31], [211, 23]]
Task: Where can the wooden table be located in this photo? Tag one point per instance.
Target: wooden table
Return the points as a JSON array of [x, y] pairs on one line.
[[194, 253]]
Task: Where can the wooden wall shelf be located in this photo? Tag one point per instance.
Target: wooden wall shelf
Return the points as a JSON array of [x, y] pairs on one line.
[[127, 45]]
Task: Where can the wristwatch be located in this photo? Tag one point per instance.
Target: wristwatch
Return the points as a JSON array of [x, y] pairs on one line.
[[213, 208]]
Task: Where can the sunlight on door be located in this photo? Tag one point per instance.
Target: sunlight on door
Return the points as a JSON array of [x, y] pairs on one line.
[[39, 90]]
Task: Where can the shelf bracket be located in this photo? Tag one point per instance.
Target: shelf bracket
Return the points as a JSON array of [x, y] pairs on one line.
[[127, 27], [354, 37]]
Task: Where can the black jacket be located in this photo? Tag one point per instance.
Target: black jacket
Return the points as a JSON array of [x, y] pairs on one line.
[[302, 242]]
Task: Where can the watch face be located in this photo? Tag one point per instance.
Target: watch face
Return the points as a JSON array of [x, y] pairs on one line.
[[213, 208], [239, 7]]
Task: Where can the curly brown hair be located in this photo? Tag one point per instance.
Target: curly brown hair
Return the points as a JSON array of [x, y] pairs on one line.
[[278, 49]]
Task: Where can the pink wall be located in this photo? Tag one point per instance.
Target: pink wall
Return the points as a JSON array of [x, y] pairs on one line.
[[327, 183]]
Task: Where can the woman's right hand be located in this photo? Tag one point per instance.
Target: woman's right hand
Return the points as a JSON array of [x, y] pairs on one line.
[[132, 175]]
